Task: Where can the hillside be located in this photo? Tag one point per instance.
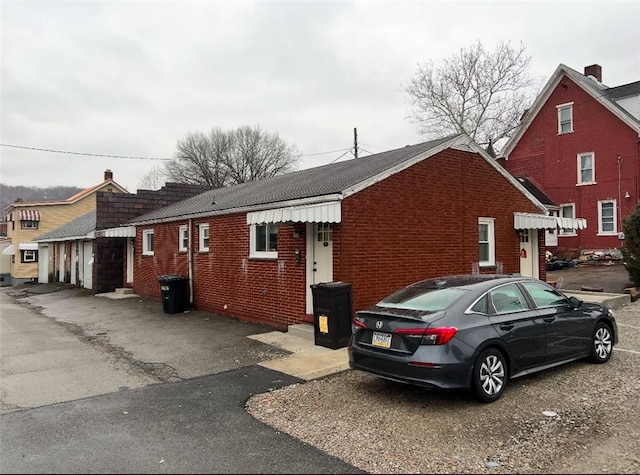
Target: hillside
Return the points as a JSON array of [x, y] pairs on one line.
[[9, 194]]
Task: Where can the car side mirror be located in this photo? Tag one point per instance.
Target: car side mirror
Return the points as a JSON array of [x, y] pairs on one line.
[[575, 302]]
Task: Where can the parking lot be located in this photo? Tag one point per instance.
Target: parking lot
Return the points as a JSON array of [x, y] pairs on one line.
[[579, 418]]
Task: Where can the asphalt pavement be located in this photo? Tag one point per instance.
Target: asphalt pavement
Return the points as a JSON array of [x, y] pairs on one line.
[[96, 385]]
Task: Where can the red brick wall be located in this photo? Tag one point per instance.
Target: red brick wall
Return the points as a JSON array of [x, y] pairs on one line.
[[424, 223], [417, 224], [550, 160]]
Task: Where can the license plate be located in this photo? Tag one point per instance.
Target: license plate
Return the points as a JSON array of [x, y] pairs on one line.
[[381, 339]]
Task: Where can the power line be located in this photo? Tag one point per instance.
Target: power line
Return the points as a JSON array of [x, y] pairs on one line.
[[37, 149], [82, 153]]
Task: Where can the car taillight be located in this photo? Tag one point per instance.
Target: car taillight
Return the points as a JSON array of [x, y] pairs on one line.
[[357, 324], [432, 336]]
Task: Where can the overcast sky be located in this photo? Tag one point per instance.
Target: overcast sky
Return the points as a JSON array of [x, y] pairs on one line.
[[131, 78]]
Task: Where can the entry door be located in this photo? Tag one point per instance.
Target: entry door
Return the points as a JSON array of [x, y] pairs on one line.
[[529, 253], [129, 261], [74, 263], [87, 265], [43, 264], [320, 264]]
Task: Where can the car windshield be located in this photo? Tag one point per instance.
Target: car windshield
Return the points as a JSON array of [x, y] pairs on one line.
[[422, 298]]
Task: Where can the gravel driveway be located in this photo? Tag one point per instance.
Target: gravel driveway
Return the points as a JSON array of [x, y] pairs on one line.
[[579, 418]]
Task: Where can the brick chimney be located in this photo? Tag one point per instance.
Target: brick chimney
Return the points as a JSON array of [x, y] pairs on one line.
[[108, 175], [594, 70]]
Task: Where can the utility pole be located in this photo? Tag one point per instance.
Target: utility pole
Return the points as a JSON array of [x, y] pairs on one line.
[[355, 142]]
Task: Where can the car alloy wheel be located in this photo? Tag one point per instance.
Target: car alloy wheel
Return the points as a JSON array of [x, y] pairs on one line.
[[490, 375], [602, 344]]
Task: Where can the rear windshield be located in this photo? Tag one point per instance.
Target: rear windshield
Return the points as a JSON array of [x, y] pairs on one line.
[[424, 299]]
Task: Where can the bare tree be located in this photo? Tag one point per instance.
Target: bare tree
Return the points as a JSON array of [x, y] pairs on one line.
[[225, 158], [153, 180], [483, 94]]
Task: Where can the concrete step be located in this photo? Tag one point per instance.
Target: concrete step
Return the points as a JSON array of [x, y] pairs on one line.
[[302, 330], [124, 291]]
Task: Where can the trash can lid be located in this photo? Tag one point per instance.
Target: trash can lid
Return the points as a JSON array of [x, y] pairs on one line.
[[331, 284], [171, 278]]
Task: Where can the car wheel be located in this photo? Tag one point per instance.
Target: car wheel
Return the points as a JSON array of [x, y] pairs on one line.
[[489, 375], [601, 343]]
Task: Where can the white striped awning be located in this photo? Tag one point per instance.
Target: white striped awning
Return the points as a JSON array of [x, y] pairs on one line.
[[29, 215], [541, 221], [123, 231], [318, 213], [10, 250], [28, 246]]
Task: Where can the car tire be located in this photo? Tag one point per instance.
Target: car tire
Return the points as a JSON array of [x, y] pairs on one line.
[[490, 375], [601, 343]]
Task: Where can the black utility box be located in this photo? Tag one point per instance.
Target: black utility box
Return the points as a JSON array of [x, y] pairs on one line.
[[332, 314], [175, 293]]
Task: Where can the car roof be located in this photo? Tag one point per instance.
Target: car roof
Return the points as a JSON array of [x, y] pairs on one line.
[[477, 281]]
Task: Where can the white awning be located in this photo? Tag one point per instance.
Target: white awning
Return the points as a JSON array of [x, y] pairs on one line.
[[318, 213], [572, 223], [541, 221], [9, 250], [123, 231], [28, 246]]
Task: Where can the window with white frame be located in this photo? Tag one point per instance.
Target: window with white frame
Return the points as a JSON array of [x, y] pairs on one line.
[[607, 217], [29, 224], [264, 241], [147, 242], [565, 118], [203, 238], [567, 210], [183, 238], [586, 168], [486, 241], [29, 256]]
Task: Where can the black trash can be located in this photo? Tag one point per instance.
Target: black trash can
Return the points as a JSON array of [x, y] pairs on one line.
[[332, 314], [175, 293]]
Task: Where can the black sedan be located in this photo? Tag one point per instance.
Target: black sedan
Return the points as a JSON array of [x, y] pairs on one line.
[[477, 332]]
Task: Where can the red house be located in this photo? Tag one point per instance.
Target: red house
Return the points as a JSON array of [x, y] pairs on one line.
[[579, 142], [378, 222]]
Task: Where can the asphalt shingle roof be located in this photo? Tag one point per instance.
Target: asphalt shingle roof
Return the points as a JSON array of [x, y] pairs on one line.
[[313, 182], [80, 226]]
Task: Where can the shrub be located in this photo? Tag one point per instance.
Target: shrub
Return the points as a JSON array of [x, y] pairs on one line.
[[631, 250]]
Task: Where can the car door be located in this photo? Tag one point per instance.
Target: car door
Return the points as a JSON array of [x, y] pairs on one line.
[[520, 327], [568, 329]]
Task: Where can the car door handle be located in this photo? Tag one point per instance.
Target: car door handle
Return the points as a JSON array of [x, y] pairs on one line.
[[507, 326], [549, 319]]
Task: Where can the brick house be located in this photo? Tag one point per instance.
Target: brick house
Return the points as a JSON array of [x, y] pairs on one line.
[[379, 222], [579, 142], [100, 244], [27, 220]]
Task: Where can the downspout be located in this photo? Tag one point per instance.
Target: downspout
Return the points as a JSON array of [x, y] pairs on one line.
[[190, 260]]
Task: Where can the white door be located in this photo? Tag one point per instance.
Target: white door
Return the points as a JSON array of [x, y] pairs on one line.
[[43, 264], [129, 261], [529, 266], [320, 261], [87, 265]]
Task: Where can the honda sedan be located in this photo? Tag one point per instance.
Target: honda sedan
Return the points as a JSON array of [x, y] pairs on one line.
[[477, 332]]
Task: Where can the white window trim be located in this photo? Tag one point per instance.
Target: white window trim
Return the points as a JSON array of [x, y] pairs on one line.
[[579, 181], [183, 238], [253, 254], [571, 232], [615, 220], [559, 107], [201, 229], [32, 254], [490, 222], [145, 250]]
